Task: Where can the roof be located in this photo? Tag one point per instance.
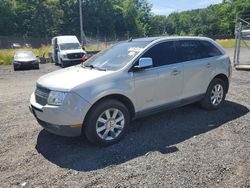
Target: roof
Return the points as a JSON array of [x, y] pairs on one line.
[[146, 39], [66, 39], [151, 39]]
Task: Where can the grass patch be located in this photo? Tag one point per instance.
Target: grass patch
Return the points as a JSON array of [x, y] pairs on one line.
[[230, 43], [6, 55], [226, 43], [97, 47]]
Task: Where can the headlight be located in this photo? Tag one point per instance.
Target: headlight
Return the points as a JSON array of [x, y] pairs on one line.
[[65, 56], [56, 98]]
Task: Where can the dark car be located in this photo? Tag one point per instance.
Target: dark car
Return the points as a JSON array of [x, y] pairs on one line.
[[25, 60]]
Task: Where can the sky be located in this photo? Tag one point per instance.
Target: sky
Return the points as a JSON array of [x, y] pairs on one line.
[[165, 7]]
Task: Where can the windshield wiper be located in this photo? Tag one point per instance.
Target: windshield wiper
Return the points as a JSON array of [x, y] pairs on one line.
[[94, 67]]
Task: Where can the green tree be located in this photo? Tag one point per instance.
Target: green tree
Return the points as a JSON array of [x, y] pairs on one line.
[[7, 17]]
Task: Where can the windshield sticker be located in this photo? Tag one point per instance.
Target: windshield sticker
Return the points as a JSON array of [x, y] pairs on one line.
[[134, 50]]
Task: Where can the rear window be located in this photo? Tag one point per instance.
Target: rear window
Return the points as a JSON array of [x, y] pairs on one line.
[[210, 49], [190, 50]]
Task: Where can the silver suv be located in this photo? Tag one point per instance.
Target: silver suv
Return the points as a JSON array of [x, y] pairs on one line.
[[132, 79]]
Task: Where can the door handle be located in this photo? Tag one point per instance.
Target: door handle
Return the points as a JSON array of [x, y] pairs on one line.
[[175, 72], [208, 65]]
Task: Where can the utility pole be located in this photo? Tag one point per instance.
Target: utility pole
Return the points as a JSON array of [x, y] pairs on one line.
[[81, 26]]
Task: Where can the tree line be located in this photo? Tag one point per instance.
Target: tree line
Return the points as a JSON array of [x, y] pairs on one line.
[[215, 20], [113, 18]]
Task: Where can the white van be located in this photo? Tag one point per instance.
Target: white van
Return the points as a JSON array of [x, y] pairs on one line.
[[66, 51]]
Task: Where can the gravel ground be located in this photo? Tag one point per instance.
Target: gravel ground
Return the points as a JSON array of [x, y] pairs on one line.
[[185, 147]]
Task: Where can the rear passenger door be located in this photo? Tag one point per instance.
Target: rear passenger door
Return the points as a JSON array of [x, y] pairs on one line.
[[192, 56], [213, 59]]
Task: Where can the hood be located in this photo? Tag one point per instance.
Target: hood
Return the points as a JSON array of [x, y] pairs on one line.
[[67, 79], [64, 52]]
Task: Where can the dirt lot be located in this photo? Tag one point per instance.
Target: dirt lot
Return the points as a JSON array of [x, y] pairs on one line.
[[185, 147]]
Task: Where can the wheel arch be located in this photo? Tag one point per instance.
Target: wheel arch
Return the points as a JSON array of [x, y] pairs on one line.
[[225, 80], [119, 97]]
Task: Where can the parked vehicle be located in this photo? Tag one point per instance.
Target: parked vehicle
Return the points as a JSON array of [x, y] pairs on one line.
[[66, 51], [129, 80], [24, 60], [16, 45]]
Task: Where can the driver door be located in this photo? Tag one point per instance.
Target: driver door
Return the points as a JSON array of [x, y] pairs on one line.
[[161, 84], [145, 82]]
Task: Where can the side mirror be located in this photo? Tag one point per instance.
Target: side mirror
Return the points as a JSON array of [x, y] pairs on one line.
[[144, 62]]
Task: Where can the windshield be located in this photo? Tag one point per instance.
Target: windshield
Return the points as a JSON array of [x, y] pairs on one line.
[[70, 46], [25, 55], [117, 56]]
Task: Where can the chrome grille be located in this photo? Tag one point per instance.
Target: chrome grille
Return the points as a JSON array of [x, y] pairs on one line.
[[75, 55], [42, 95], [27, 62]]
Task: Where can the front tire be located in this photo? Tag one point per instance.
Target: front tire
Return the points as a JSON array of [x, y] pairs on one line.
[[37, 66], [215, 95], [107, 122], [62, 64]]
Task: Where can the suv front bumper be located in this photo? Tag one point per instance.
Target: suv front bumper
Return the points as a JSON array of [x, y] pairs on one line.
[[64, 120], [71, 61]]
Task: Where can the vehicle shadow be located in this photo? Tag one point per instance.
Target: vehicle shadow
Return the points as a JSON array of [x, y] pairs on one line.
[[160, 132]]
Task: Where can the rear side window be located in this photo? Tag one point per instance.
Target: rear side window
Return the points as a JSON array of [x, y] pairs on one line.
[[190, 50], [162, 54], [210, 49]]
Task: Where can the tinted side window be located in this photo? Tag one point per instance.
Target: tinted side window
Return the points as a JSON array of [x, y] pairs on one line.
[[190, 50], [162, 54], [211, 49]]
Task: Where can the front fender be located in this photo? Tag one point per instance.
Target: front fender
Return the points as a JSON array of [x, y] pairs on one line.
[[93, 91]]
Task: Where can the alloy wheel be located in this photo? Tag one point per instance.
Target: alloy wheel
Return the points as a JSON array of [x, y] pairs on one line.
[[110, 124], [216, 96]]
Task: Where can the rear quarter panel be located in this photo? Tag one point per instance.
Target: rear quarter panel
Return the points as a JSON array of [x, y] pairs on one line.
[[220, 65]]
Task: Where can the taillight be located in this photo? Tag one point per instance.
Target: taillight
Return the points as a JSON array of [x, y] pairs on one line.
[[84, 57]]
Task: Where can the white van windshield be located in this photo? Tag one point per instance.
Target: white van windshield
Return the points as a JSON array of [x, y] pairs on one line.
[[70, 46], [117, 56]]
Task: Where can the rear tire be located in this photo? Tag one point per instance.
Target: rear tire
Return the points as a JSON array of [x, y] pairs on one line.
[[107, 122], [215, 95]]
